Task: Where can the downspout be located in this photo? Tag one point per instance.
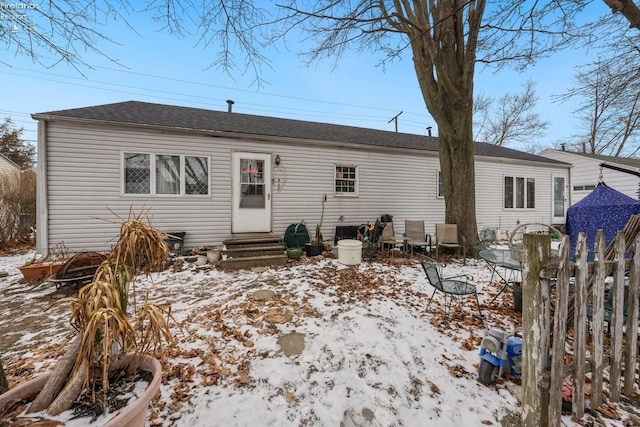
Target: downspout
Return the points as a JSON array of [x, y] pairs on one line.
[[42, 206]]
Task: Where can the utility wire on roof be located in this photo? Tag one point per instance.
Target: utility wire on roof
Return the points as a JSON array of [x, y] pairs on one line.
[[267, 108]]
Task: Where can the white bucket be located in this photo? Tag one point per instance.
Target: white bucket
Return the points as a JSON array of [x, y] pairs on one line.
[[349, 251]]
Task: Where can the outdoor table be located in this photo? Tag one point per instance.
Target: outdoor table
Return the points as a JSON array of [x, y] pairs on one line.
[[504, 265]]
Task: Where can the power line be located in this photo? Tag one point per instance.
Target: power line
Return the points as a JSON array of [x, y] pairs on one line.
[[174, 96]]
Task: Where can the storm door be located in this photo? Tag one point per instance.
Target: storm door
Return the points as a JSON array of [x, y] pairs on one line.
[[251, 195], [559, 200]]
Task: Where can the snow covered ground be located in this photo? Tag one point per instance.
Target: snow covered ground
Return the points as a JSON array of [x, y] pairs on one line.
[[373, 354]]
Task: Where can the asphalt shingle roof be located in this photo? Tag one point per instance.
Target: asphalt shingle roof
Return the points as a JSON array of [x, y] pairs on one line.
[[195, 119], [634, 163]]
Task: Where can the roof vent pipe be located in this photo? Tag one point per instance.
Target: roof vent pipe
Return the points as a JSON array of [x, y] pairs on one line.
[[230, 102], [563, 147], [429, 131]]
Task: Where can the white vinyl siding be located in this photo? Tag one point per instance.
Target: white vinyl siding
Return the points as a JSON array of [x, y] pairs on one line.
[[585, 174], [7, 166], [490, 174], [85, 190]]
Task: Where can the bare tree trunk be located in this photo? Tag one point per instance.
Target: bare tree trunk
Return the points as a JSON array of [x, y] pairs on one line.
[[69, 394], [4, 386], [628, 9], [456, 152], [58, 378], [458, 176], [444, 60]]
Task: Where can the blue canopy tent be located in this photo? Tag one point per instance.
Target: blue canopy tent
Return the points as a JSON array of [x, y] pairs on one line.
[[603, 208]]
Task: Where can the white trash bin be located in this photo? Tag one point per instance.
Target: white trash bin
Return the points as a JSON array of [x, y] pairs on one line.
[[349, 251]]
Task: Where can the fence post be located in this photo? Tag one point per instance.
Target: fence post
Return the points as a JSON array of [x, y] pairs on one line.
[[631, 350], [580, 326], [559, 334], [617, 319], [597, 319], [536, 324]]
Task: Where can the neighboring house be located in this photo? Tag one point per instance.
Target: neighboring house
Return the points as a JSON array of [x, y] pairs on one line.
[[621, 174], [217, 175], [8, 166], [9, 172]]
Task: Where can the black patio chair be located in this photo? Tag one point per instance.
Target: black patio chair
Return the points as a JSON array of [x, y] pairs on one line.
[[451, 287]]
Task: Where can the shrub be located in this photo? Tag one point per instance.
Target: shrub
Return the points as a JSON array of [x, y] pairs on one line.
[[17, 207]]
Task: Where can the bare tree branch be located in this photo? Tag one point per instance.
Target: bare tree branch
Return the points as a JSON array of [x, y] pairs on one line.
[[609, 90], [509, 119]]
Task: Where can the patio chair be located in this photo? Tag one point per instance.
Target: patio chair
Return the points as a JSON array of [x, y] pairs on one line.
[[487, 236], [447, 236], [451, 287], [416, 236], [389, 240]]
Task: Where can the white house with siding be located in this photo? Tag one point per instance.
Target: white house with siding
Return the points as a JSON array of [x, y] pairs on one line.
[[7, 166], [619, 173], [220, 174]]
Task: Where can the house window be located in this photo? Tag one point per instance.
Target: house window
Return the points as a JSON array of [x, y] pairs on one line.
[[346, 180], [584, 187], [164, 174], [196, 174], [531, 193], [137, 173], [519, 193], [440, 190], [167, 174]]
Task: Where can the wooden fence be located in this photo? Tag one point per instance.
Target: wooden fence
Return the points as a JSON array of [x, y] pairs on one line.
[[572, 320]]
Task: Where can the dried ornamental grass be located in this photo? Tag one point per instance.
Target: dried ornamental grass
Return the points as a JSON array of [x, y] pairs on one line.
[[99, 312], [151, 326], [119, 275], [141, 247]]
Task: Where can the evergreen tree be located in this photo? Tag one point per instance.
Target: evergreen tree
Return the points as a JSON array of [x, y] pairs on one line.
[[13, 147]]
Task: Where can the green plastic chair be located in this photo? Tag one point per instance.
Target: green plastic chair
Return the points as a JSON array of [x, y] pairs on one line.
[[451, 287]]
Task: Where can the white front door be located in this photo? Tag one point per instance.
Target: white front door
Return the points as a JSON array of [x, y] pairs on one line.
[[559, 200], [251, 194]]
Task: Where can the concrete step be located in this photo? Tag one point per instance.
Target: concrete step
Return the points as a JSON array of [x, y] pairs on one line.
[[254, 261], [252, 240], [252, 251]]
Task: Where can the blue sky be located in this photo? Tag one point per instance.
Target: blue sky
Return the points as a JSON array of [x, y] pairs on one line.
[[161, 68]]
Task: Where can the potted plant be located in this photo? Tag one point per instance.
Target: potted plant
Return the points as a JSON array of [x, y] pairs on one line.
[[111, 333], [41, 269], [294, 253], [46, 267], [316, 246]]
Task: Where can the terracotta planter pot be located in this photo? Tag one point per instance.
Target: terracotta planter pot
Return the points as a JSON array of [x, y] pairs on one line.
[[40, 269], [133, 415]]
